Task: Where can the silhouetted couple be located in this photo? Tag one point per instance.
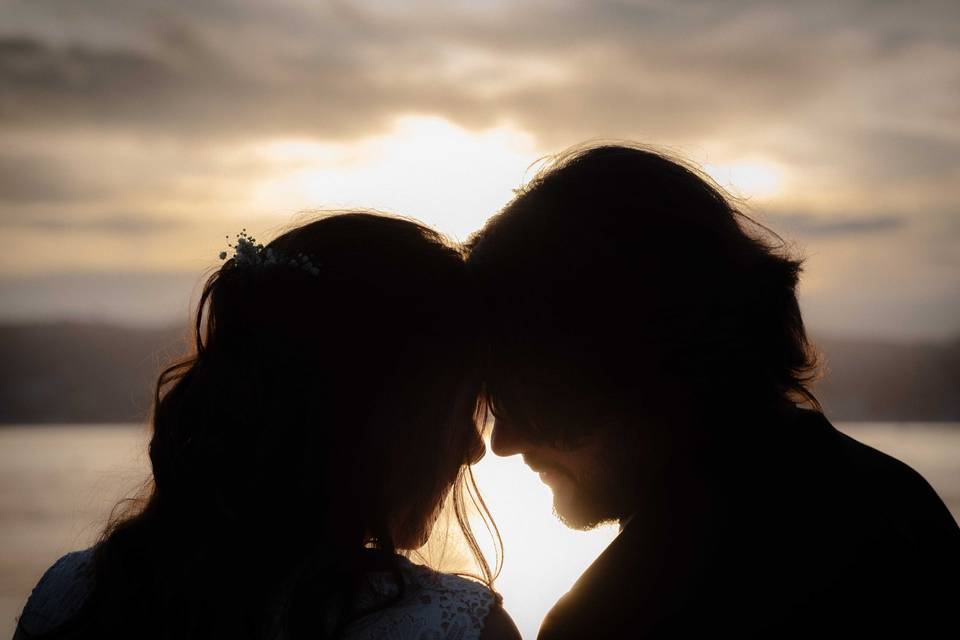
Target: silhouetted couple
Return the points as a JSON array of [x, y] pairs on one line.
[[636, 338]]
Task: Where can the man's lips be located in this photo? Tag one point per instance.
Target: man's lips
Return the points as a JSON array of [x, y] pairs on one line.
[[546, 470], [534, 466]]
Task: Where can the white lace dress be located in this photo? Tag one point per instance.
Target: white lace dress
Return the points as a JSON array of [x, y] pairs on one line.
[[434, 606]]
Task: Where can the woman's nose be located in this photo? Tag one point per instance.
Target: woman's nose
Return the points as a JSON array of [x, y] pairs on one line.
[[504, 439]]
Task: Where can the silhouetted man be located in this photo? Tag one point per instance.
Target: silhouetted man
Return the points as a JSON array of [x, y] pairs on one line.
[[647, 358]]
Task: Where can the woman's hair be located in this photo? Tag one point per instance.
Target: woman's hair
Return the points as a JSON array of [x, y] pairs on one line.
[[624, 287], [328, 405]]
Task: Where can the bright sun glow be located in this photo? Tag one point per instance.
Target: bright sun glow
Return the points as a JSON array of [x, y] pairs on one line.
[[748, 179], [542, 558], [425, 167]]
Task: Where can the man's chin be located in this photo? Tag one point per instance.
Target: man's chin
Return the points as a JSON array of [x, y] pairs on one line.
[[579, 513]]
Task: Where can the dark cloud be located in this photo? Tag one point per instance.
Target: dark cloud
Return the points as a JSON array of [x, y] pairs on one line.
[[661, 69], [81, 85], [109, 224], [904, 154], [819, 225], [28, 178], [869, 89], [136, 296]]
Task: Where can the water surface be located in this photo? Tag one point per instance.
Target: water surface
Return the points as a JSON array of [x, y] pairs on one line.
[[58, 484]]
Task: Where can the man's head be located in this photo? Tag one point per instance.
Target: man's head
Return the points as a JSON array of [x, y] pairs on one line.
[[633, 312]]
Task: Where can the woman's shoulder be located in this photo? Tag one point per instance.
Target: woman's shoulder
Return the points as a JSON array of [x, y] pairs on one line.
[[58, 596], [432, 605], [445, 584]]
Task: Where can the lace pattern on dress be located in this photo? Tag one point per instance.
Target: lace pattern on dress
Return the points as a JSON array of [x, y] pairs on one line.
[[434, 606], [60, 594]]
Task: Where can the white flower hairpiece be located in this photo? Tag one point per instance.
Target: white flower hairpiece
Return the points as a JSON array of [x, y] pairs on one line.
[[247, 252]]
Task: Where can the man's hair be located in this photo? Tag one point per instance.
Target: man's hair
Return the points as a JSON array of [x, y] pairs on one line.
[[624, 284]]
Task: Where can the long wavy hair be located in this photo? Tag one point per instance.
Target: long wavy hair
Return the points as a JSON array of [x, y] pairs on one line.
[[322, 416]]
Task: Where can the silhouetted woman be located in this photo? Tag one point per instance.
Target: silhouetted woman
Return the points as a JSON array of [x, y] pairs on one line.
[[328, 409]]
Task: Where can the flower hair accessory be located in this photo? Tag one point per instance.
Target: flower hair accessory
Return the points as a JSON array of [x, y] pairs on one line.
[[248, 253]]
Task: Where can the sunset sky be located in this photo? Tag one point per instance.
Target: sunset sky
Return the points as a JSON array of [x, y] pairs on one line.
[[134, 135]]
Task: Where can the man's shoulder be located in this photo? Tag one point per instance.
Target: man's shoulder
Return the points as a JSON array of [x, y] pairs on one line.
[[869, 472], [900, 493], [627, 586], [819, 491]]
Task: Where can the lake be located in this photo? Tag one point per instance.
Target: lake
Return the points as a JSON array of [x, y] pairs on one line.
[[58, 484]]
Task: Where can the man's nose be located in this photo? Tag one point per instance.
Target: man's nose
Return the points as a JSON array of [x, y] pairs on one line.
[[504, 439]]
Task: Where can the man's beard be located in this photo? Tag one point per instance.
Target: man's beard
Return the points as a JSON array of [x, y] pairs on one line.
[[586, 502]]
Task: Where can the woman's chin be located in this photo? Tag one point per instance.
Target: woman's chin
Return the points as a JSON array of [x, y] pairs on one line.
[[414, 536], [413, 541]]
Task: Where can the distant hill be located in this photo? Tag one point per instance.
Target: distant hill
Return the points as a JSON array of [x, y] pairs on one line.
[[883, 381], [70, 372]]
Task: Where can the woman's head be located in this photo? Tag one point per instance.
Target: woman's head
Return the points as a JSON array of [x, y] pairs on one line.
[[332, 399], [329, 406]]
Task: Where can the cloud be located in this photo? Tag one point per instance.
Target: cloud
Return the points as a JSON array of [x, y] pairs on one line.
[[904, 154], [870, 89], [31, 176], [82, 85], [563, 71], [111, 224], [811, 225], [133, 296], [123, 112]]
